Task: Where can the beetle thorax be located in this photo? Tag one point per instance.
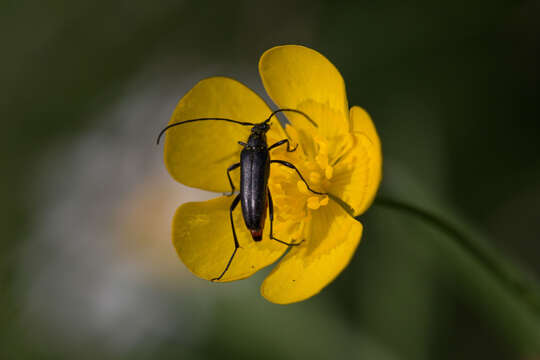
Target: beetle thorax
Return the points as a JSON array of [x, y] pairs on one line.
[[257, 141]]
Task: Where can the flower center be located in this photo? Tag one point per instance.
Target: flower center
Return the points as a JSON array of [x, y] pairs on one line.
[[293, 201]]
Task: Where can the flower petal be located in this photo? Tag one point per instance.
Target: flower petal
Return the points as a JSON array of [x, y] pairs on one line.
[[361, 123], [203, 239], [198, 154], [300, 78], [332, 238], [358, 174]]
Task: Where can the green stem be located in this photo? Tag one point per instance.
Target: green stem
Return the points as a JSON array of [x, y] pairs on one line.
[[511, 278]]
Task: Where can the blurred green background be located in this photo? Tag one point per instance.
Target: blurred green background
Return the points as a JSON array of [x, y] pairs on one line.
[[87, 269]]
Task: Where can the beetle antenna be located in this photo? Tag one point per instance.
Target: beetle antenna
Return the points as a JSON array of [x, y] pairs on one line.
[[295, 111], [200, 119]]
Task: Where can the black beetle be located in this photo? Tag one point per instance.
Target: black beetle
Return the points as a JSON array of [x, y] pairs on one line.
[[254, 173]]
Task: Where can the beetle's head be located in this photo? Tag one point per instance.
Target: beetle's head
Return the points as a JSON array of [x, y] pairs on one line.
[[260, 128]]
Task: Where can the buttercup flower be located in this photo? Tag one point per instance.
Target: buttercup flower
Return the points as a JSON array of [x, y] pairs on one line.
[[340, 157]]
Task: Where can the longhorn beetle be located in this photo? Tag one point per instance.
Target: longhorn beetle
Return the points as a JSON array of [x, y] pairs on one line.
[[254, 172]]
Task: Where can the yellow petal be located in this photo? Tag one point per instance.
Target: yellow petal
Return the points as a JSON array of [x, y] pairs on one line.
[[202, 236], [361, 123], [358, 174], [330, 243], [198, 154], [300, 78]]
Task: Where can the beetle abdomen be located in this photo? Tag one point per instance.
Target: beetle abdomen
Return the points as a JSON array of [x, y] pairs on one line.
[[255, 169]]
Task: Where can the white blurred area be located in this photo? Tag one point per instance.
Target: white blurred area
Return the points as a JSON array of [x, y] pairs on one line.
[[99, 265]]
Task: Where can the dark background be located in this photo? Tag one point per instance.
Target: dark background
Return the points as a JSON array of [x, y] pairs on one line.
[[86, 265]]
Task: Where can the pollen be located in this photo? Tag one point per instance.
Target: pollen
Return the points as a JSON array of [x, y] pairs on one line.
[[315, 177], [315, 202], [302, 187], [329, 172]]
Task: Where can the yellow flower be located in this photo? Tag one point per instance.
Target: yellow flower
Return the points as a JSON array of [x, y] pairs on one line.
[[341, 157]]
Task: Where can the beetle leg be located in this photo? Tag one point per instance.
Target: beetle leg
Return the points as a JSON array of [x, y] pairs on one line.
[[289, 165], [285, 141], [242, 143], [236, 244], [231, 168], [271, 210]]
